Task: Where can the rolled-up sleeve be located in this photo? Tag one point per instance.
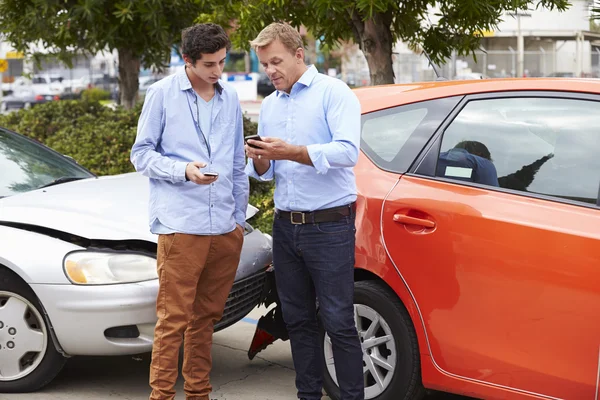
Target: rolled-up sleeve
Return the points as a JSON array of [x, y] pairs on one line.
[[267, 176], [144, 155], [240, 180], [343, 119]]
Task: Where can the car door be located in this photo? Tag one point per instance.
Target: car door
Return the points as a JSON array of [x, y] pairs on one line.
[[496, 232]]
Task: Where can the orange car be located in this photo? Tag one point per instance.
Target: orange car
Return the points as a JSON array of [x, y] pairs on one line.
[[478, 240]]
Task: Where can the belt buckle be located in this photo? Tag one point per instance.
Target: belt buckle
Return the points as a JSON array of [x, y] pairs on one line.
[[303, 219]]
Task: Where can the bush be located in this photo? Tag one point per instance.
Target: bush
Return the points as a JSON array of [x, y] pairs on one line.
[[100, 139], [95, 94]]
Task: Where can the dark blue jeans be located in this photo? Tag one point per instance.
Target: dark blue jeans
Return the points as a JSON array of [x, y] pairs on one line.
[[317, 261]]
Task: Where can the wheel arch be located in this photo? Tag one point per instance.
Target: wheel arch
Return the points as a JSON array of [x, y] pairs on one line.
[[10, 271], [397, 287]]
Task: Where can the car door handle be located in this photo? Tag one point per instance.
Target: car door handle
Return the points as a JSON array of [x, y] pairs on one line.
[[406, 220]]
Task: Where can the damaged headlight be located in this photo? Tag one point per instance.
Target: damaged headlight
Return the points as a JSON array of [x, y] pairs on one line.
[[99, 268]]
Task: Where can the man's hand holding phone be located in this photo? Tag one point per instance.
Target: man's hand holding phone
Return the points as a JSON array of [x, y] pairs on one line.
[[193, 174], [253, 144], [271, 148]]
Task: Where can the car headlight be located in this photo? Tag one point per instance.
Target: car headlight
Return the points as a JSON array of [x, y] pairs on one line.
[[96, 268]]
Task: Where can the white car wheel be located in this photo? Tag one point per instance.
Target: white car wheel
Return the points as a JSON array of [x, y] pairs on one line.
[[3, 107], [27, 106], [28, 358], [391, 363], [23, 337], [379, 351]]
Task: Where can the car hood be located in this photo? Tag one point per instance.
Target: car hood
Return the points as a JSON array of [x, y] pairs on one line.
[[108, 208]]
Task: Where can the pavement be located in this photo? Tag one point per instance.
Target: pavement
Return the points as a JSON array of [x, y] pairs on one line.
[[270, 376]]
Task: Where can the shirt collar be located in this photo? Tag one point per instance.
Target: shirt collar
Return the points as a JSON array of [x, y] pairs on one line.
[[306, 79], [185, 84]]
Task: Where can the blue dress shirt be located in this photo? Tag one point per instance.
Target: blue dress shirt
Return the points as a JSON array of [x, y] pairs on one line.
[[323, 114], [476, 168], [169, 137]]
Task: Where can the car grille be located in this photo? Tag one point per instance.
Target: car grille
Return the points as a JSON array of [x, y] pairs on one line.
[[244, 296]]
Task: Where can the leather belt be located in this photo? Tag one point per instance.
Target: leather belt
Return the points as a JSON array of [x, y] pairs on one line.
[[314, 217]]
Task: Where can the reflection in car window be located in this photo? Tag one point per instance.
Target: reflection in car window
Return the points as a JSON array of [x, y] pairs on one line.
[[26, 165], [538, 145], [392, 138], [386, 135]]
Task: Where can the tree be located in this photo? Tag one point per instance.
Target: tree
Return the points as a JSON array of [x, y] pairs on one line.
[[595, 10], [375, 25], [142, 31]]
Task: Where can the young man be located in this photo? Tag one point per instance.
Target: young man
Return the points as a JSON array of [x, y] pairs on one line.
[[310, 130], [190, 144]]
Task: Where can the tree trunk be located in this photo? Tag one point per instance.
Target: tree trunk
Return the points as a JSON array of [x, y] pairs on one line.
[[129, 71], [374, 37]]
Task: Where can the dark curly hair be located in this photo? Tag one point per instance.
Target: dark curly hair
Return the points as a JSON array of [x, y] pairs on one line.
[[475, 148], [203, 39]]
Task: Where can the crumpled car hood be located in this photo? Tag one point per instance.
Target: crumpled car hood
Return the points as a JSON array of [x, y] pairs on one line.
[[107, 208]]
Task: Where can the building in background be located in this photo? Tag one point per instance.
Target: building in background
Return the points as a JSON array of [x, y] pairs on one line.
[[535, 43]]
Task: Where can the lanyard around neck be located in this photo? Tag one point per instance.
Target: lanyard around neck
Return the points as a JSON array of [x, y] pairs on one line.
[[197, 99]]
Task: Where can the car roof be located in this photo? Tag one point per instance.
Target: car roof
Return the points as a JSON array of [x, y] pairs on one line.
[[373, 98]]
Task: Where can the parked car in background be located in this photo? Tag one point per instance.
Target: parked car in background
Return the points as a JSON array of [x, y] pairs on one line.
[[146, 82], [561, 75], [38, 84], [74, 87], [25, 100], [78, 265], [477, 241], [264, 85]]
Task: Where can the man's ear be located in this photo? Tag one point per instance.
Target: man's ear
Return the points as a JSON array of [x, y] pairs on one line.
[[188, 60], [299, 55]]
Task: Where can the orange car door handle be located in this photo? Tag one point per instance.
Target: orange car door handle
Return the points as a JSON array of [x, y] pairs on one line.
[[405, 219]]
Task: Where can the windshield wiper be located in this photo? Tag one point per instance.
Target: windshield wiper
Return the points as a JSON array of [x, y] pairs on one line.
[[62, 179]]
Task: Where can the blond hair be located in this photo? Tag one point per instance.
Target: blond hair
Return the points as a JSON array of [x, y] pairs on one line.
[[288, 36]]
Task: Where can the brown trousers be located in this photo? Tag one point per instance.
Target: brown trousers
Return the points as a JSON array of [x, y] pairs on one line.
[[195, 274]]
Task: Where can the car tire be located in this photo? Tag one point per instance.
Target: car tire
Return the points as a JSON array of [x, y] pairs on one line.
[[403, 381], [34, 369]]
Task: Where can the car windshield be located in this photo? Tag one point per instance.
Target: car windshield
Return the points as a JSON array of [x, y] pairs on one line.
[[26, 165]]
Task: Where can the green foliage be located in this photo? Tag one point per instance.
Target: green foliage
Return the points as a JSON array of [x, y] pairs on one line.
[[142, 31], [595, 10], [100, 139], [96, 136], [147, 27], [95, 94], [457, 26]]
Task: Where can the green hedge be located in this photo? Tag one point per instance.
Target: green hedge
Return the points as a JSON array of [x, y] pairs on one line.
[[95, 94], [100, 139]]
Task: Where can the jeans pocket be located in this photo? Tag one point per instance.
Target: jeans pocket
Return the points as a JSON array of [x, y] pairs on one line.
[[340, 226]]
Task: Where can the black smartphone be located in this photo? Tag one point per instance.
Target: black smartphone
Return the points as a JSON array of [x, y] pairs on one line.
[[253, 137], [211, 173]]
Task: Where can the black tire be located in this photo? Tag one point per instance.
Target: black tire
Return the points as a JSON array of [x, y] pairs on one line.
[[406, 379], [52, 361]]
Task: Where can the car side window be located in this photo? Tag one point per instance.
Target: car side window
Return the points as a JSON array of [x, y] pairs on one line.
[[392, 138], [546, 146]]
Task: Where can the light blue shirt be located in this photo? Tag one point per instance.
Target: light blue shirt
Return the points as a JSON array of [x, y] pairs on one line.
[[323, 114], [169, 137]]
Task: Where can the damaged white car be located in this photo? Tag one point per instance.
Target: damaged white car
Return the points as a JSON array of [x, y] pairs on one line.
[[78, 265]]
